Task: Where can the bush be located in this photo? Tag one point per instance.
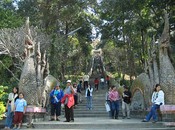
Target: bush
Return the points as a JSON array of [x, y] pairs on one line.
[[2, 110], [3, 99]]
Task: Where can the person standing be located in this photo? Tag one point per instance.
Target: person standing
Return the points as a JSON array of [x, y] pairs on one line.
[[85, 81], [68, 101], [107, 80], [102, 82], [55, 96], [114, 98], [108, 101], [158, 100], [10, 108], [96, 83], [88, 96], [20, 108], [79, 87], [126, 101], [75, 95]]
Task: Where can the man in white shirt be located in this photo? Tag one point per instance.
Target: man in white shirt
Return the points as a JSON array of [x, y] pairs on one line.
[[102, 82]]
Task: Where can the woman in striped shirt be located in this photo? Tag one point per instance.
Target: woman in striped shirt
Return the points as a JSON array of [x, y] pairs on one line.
[[114, 98]]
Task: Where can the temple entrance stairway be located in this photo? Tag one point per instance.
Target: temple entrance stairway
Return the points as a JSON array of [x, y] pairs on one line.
[[98, 105], [95, 119], [98, 102]]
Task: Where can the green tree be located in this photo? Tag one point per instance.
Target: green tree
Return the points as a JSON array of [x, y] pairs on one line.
[[9, 16], [59, 19], [9, 19], [131, 26]]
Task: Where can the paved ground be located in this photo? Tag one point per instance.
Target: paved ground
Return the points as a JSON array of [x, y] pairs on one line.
[[100, 123]]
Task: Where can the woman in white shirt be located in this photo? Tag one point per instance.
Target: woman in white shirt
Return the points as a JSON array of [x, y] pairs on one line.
[[157, 100], [10, 108], [154, 96], [88, 95]]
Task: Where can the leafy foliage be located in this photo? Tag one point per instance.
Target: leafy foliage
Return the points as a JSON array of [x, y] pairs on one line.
[[131, 26], [126, 28], [9, 17], [3, 99]]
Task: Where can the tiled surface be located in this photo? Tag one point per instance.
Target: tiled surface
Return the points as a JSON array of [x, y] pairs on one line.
[[167, 108], [34, 109]]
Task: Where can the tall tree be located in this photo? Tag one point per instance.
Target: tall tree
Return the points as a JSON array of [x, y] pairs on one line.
[[131, 25]]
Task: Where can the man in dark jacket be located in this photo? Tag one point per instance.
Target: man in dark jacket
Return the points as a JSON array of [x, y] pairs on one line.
[[126, 101]]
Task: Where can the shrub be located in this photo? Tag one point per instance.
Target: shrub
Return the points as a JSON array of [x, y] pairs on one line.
[[3, 99]]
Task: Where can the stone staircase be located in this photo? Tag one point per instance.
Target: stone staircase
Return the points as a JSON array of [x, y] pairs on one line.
[[99, 124], [98, 104], [96, 119], [96, 123]]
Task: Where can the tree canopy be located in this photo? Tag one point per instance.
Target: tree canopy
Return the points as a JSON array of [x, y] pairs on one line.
[[125, 28]]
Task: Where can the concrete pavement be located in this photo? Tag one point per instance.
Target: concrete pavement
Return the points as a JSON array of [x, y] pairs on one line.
[[99, 123]]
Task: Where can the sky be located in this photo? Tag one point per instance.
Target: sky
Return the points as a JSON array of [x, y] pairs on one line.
[[15, 4]]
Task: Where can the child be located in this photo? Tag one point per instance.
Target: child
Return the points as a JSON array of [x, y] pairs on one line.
[[20, 108]]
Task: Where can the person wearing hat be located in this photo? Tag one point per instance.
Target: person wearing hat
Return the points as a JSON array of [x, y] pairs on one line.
[[69, 102], [56, 95], [126, 101]]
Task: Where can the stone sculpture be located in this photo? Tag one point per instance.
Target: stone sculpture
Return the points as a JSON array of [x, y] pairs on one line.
[[34, 71], [167, 71], [141, 88], [97, 62]]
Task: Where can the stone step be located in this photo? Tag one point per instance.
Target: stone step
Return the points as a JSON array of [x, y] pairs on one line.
[[96, 95], [93, 103], [98, 103], [90, 112], [93, 109], [95, 100], [110, 129], [93, 114], [96, 123], [84, 109], [90, 115], [100, 123]]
